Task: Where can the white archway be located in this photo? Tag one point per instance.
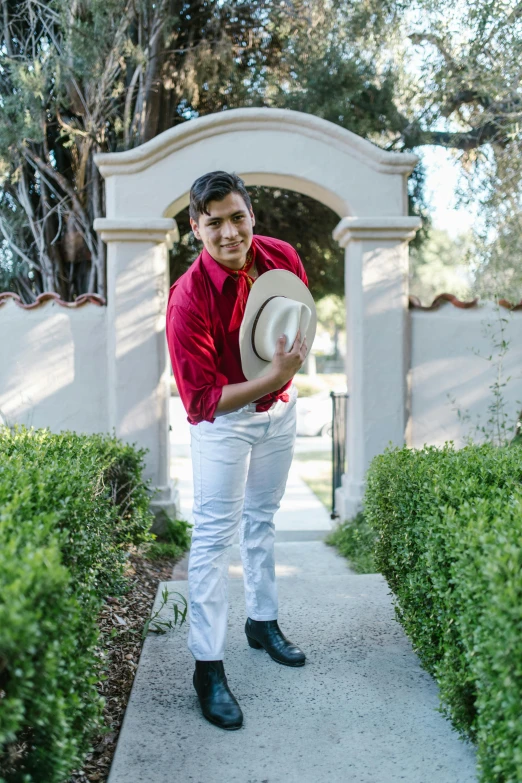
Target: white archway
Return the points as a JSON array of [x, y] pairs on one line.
[[365, 185]]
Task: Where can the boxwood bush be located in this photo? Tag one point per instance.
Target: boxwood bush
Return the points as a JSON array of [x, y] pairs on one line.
[[449, 542], [70, 506]]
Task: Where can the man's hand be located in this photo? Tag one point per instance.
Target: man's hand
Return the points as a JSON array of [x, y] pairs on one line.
[[284, 367], [286, 364]]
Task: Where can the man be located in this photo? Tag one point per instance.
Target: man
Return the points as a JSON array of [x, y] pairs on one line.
[[243, 432]]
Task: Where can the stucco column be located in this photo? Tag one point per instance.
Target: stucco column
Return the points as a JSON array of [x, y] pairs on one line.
[[137, 368], [376, 287]]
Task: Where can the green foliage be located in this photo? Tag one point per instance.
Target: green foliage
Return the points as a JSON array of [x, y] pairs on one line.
[[82, 78], [70, 507], [464, 73], [78, 79], [355, 540], [440, 265], [157, 622], [449, 542], [331, 311], [172, 542]]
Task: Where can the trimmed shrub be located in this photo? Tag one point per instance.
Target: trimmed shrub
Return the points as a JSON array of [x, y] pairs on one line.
[[449, 542], [70, 505]]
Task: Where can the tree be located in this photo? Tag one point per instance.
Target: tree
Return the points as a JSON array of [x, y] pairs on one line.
[[81, 77], [331, 313], [466, 96], [440, 265]]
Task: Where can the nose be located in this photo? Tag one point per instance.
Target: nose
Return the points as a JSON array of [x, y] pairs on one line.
[[229, 230]]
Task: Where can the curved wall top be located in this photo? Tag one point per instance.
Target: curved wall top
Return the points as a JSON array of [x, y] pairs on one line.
[[275, 147]]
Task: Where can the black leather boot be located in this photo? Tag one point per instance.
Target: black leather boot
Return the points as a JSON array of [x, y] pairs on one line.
[[218, 704], [268, 635]]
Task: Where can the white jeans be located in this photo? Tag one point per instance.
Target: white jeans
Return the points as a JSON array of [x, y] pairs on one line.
[[240, 465]]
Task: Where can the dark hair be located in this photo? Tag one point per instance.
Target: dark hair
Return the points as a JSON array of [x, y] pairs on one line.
[[215, 187]]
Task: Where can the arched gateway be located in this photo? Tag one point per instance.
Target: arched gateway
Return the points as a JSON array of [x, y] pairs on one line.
[[366, 186]]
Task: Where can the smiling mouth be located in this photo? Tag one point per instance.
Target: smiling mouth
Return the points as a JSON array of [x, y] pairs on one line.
[[232, 247]]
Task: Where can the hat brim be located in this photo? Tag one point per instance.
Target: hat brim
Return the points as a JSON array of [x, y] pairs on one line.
[[276, 282]]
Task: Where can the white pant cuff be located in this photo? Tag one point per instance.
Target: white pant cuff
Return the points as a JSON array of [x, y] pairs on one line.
[[216, 657], [261, 617]]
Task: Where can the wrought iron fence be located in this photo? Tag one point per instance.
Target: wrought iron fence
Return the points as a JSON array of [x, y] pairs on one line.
[[339, 419]]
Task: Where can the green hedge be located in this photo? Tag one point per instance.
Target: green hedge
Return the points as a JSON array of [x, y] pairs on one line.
[[355, 540], [449, 542], [70, 505]]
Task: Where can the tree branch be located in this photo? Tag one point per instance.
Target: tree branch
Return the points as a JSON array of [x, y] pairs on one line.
[[7, 29], [461, 140], [419, 38], [128, 102], [61, 180], [14, 247]]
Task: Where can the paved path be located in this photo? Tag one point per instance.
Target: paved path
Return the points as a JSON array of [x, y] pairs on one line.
[[361, 710]]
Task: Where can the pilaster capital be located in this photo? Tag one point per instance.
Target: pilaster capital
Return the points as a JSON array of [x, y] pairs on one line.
[[137, 230], [400, 228]]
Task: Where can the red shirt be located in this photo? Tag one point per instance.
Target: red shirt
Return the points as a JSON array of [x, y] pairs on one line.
[[205, 355]]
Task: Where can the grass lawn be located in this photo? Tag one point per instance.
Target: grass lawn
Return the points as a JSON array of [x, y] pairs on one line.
[[315, 468]]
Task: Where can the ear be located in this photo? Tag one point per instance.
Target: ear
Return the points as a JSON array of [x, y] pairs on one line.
[[195, 229], [252, 216]]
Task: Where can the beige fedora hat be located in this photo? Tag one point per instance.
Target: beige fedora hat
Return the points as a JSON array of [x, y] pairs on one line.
[[278, 303]]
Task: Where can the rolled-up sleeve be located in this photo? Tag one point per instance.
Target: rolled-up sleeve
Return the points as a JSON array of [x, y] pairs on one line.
[[195, 363]]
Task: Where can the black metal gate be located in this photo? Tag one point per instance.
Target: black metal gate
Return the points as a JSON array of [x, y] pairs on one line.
[[339, 419]]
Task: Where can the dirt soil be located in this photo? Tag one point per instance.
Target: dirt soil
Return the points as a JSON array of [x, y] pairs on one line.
[[126, 615]]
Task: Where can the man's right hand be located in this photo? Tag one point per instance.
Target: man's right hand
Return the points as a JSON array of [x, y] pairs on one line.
[[286, 364], [284, 367]]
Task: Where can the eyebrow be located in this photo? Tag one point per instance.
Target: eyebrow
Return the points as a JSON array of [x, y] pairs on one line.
[[209, 218]]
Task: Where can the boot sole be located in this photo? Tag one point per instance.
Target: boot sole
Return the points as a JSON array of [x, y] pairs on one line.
[[255, 645], [220, 726]]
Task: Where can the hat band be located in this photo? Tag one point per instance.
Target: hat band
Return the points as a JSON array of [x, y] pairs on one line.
[[258, 316]]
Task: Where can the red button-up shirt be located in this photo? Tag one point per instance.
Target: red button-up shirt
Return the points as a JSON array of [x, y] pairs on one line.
[[205, 355]]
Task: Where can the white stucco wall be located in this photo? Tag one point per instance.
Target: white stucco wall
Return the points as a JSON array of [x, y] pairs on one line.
[[447, 350], [53, 367]]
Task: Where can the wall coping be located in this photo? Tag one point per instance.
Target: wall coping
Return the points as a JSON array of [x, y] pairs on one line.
[[445, 298], [80, 301], [401, 227], [253, 119], [137, 230]]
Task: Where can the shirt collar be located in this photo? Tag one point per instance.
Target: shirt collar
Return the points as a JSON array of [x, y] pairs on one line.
[[217, 274]]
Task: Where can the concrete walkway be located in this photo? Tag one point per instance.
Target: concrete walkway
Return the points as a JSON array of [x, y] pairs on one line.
[[361, 710]]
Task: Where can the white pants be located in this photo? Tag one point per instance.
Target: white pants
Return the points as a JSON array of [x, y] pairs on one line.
[[240, 465]]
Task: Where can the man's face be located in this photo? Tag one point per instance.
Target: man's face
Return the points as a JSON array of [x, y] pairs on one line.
[[226, 232]]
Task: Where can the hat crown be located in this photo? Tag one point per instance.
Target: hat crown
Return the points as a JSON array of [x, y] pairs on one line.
[[277, 316]]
